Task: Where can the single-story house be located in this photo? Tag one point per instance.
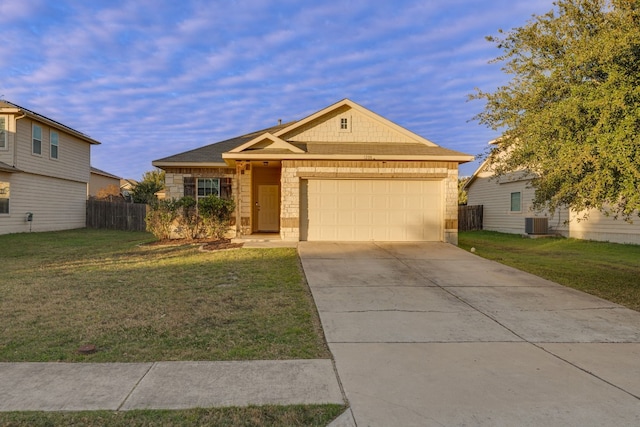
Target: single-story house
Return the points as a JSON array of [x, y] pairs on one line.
[[44, 172], [343, 173], [508, 208]]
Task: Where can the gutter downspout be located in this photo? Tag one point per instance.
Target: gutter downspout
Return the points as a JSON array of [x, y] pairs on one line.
[[15, 140]]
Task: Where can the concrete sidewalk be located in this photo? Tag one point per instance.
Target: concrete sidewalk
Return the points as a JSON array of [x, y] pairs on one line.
[[165, 385], [430, 335]]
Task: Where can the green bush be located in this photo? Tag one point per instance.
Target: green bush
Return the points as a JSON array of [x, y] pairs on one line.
[[216, 215], [160, 218], [190, 224]]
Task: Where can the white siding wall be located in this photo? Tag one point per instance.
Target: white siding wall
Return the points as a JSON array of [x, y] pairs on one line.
[[495, 196], [603, 228], [62, 209]]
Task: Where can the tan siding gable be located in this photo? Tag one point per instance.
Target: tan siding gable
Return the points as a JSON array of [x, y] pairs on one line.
[[361, 128], [74, 155], [100, 182]]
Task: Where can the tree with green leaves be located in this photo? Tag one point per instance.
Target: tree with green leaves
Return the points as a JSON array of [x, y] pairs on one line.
[[462, 193], [571, 112], [145, 191]]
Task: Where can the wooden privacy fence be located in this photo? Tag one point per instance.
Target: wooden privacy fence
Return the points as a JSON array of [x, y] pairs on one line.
[[116, 215], [469, 218]]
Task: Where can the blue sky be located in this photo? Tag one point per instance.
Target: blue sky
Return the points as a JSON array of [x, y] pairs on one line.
[[152, 78]]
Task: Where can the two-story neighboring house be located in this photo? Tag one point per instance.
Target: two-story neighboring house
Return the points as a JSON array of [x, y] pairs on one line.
[[44, 172]]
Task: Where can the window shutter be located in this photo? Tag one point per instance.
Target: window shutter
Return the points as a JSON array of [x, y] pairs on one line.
[[189, 186], [225, 188]]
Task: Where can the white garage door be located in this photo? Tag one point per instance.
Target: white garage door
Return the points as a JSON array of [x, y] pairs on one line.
[[366, 210]]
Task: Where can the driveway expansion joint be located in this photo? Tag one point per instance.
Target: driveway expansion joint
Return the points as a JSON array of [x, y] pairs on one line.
[[135, 386]]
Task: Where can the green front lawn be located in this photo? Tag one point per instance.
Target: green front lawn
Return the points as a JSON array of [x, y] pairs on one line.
[[607, 270], [142, 303]]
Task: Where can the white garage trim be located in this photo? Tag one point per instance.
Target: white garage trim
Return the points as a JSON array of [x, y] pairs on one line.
[[371, 210]]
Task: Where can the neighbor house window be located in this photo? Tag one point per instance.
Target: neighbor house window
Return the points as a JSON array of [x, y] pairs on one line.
[[3, 134], [516, 202], [36, 147], [54, 145], [4, 197]]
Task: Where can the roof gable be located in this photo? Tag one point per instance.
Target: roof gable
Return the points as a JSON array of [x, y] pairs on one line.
[[266, 141], [320, 136], [346, 121], [211, 154], [11, 108]]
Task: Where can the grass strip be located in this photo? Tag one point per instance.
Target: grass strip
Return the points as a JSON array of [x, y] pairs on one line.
[[608, 270], [294, 415]]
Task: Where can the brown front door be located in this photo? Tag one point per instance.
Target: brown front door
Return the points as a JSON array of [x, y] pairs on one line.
[[268, 208]]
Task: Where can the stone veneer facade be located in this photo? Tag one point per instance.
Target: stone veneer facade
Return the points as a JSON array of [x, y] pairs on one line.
[[295, 170]]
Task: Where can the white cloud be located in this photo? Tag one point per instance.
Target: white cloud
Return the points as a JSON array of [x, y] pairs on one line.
[[153, 78]]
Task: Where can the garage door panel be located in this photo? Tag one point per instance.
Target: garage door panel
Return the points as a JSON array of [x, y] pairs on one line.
[[365, 210]]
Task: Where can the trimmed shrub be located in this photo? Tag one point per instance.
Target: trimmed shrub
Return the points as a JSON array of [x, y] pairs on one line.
[[189, 222], [160, 218], [216, 215]]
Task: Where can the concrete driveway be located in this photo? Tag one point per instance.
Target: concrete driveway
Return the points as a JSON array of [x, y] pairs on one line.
[[430, 335]]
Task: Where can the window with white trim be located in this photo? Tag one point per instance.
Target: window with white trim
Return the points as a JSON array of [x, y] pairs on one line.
[[208, 186], [53, 140], [345, 124], [36, 140], [3, 134], [516, 202], [4, 197], [203, 187]]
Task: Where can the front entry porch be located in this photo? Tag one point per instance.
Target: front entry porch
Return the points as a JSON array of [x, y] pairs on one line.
[[259, 203]]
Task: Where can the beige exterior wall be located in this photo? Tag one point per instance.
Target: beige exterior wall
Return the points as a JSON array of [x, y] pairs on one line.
[[62, 209], [605, 228], [54, 190], [293, 171], [361, 129], [495, 195], [99, 182], [74, 155], [7, 153]]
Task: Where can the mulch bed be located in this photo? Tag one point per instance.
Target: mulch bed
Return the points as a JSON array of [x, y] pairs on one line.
[[207, 244], [216, 245]]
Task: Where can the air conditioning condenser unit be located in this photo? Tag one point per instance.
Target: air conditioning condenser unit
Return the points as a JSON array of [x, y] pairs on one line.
[[536, 225]]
